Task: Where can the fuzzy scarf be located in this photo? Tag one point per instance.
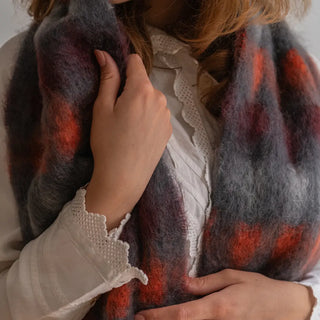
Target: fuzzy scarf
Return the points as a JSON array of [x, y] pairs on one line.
[[266, 200]]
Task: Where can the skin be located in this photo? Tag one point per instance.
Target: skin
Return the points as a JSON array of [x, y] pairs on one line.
[[128, 137], [238, 295]]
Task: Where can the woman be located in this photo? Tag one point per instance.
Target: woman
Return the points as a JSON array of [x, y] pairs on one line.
[[72, 261]]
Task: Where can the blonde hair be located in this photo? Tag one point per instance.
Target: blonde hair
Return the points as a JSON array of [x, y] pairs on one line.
[[203, 23]]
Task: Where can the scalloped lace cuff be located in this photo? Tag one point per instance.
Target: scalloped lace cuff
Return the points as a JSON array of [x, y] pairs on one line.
[[95, 224], [106, 245]]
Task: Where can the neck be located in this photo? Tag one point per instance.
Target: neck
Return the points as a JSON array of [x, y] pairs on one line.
[[164, 12]]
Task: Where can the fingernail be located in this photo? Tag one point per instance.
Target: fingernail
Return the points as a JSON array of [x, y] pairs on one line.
[[139, 317], [100, 57]]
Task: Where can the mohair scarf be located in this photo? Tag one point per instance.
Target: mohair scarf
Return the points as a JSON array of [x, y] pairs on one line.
[[266, 195]]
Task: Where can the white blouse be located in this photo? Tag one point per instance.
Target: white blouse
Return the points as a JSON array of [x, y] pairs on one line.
[[59, 274]]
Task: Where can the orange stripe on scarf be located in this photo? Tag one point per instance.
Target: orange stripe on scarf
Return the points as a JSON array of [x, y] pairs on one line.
[[118, 302], [288, 240], [154, 291], [244, 244], [314, 256]]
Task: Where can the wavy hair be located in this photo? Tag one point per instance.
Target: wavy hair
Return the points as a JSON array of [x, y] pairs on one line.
[[202, 23]]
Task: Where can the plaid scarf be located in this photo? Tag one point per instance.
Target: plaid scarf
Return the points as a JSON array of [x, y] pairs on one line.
[[266, 195]]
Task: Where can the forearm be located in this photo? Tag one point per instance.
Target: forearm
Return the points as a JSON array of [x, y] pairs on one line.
[[59, 274], [100, 200]]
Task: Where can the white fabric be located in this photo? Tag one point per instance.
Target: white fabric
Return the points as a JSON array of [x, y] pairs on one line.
[[59, 274]]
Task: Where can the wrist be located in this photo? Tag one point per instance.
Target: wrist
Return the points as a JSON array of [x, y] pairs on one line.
[[98, 200]]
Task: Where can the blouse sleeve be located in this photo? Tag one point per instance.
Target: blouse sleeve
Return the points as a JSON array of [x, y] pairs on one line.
[[59, 274]]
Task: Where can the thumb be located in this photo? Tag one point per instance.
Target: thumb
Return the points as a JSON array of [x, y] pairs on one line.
[[109, 79]]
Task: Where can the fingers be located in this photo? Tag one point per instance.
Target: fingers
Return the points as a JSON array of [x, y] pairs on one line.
[[214, 305], [109, 79], [136, 71], [193, 310], [214, 282]]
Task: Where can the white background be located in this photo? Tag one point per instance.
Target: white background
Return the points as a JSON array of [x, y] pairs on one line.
[[13, 19]]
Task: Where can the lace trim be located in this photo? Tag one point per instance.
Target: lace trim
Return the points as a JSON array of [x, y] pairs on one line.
[[115, 233], [170, 46], [191, 116], [162, 42], [109, 249], [170, 51]]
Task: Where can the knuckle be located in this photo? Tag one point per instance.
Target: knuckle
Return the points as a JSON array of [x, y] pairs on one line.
[[221, 312], [162, 99], [146, 88], [151, 315], [221, 309], [254, 277], [182, 313], [106, 76], [131, 58], [200, 282], [234, 275], [99, 107], [135, 61], [228, 273], [134, 56]]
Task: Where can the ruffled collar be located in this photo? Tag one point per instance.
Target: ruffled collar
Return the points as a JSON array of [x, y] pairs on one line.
[[165, 43]]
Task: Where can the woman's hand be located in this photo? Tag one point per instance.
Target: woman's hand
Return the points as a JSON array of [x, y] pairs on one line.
[[128, 137], [239, 295]]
